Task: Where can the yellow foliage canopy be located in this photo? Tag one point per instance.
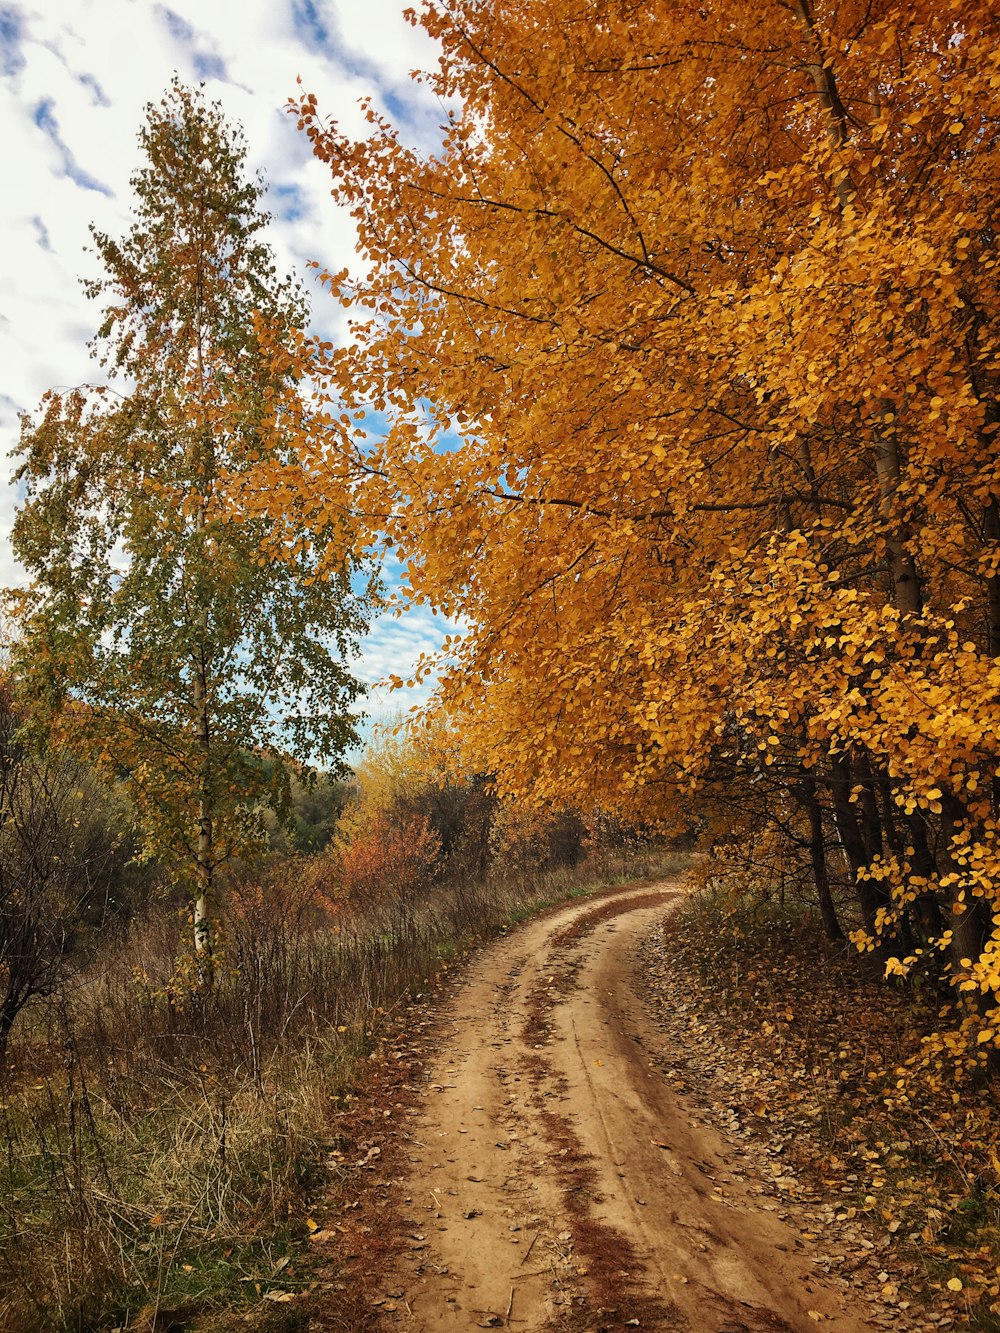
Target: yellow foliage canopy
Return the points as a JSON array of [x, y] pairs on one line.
[[709, 295]]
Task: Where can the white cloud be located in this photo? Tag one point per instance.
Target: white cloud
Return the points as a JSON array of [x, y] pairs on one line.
[[393, 646], [75, 76]]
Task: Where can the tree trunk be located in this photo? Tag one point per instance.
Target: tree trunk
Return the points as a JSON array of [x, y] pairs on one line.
[[9, 1010], [871, 820], [890, 826], [203, 473], [824, 78], [806, 792], [851, 839], [903, 579], [927, 907], [204, 852], [968, 917], [991, 531]]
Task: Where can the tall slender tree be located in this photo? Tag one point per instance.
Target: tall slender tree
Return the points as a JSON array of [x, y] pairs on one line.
[[185, 636]]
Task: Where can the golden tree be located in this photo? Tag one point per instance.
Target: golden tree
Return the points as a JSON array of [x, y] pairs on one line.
[[710, 295]]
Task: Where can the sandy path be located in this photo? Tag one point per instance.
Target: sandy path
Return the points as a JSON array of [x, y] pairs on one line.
[[555, 1182]]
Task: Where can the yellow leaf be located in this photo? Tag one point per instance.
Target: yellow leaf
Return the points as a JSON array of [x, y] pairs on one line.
[[954, 1284]]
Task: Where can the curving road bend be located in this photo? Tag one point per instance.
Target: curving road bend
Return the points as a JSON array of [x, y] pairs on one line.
[[555, 1182]]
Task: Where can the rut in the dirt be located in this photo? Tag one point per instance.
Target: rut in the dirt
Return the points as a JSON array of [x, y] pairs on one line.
[[553, 1180]]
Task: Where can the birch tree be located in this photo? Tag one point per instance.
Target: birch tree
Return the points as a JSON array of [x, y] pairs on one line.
[[185, 640]]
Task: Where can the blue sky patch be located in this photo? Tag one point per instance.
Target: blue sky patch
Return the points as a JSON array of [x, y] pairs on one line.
[[311, 27], [398, 108], [289, 203], [178, 28], [210, 67], [206, 64], [11, 36], [44, 118], [97, 93], [42, 232]]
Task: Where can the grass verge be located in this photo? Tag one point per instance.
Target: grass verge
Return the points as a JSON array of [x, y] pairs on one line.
[[161, 1158]]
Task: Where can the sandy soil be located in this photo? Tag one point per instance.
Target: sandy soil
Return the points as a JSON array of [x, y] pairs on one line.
[[555, 1182]]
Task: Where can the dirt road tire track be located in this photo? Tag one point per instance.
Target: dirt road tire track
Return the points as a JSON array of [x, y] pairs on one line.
[[552, 1179]]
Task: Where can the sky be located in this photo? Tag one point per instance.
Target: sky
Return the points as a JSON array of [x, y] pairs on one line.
[[75, 77]]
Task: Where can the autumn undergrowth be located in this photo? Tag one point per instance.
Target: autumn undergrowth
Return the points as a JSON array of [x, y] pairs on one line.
[[799, 1044], [160, 1153]]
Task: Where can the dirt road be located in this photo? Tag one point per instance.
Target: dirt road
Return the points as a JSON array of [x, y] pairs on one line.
[[555, 1182]]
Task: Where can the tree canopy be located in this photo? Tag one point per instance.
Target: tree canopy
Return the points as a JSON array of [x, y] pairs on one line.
[[177, 635], [710, 295]]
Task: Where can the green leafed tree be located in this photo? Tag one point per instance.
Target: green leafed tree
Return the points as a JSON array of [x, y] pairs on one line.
[[181, 638]]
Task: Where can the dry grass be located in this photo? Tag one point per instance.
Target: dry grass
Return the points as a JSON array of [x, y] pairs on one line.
[[160, 1156]]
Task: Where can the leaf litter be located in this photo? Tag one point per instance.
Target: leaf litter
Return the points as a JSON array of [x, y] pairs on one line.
[[800, 1059]]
